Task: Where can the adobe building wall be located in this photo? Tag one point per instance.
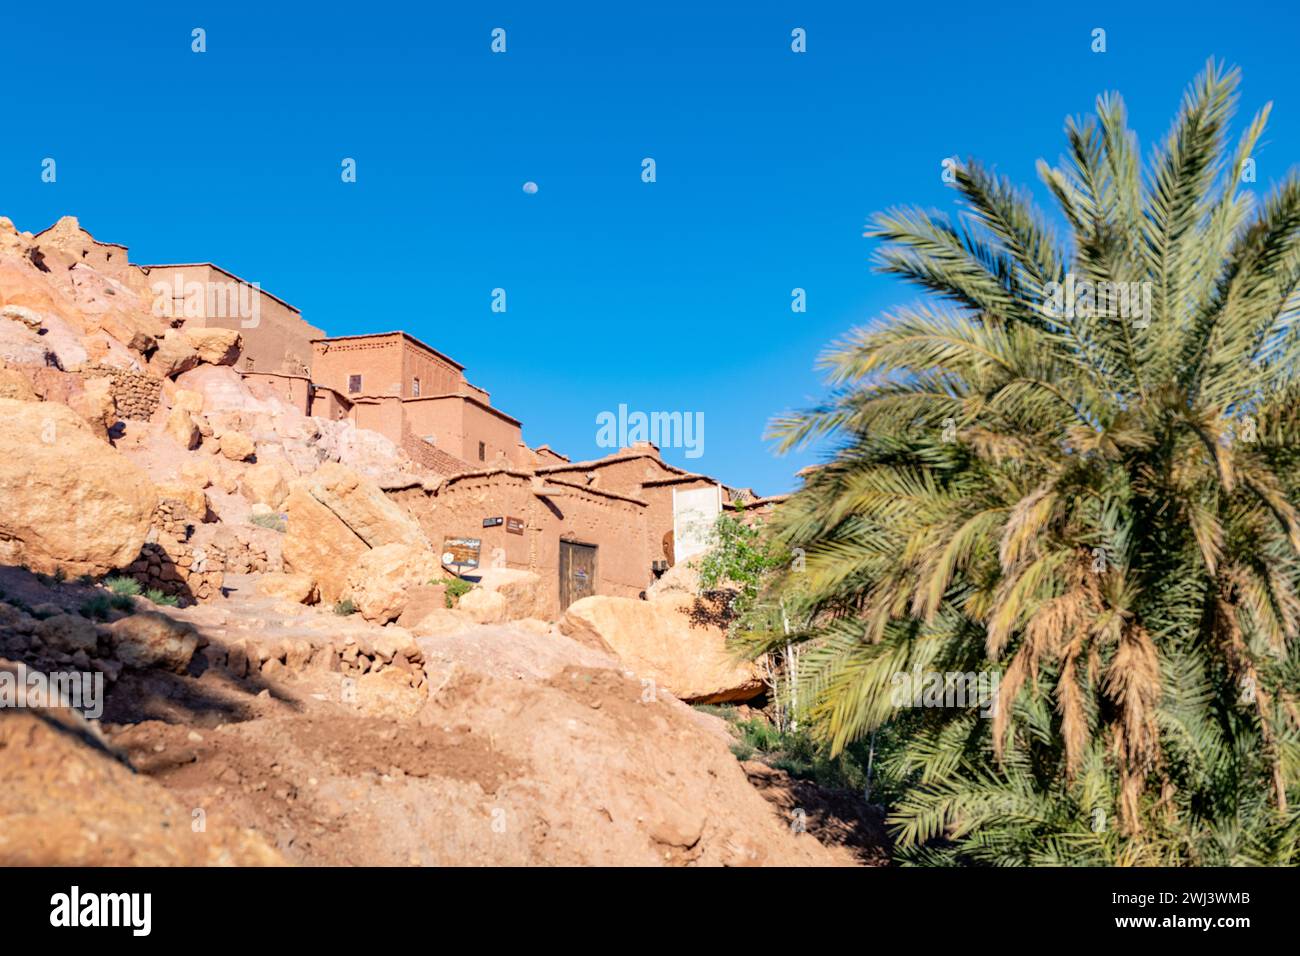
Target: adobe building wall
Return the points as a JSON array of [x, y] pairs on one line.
[[458, 424], [457, 507], [276, 338], [437, 375], [388, 364]]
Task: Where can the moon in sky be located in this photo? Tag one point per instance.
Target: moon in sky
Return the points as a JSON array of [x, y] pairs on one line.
[[530, 187]]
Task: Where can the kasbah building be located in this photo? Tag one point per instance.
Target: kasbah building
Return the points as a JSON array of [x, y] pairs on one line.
[[607, 526]]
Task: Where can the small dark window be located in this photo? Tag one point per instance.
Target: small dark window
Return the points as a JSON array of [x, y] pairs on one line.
[[415, 388], [354, 383], [482, 452]]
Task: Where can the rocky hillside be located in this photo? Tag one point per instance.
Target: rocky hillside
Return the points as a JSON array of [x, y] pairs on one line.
[[284, 679]]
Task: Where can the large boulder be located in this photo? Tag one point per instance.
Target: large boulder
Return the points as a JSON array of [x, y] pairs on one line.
[[151, 639], [318, 544], [359, 504], [237, 446], [298, 588], [521, 595], [266, 484], [182, 428], [67, 500], [335, 517], [483, 605], [662, 641], [94, 402], [215, 346], [380, 581], [173, 357]]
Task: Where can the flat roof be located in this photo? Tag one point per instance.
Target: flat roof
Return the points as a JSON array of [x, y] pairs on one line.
[[213, 265], [406, 335]]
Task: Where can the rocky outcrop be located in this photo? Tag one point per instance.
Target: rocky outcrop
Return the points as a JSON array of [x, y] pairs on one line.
[[67, 500], [505, 594], [379, 582], [151, 639], [215, 346], [298, 588], [660, 641]]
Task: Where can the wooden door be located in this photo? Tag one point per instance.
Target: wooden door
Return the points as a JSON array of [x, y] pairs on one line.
[[577, 572]]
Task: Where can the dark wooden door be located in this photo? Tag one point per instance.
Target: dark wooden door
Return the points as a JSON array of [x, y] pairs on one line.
[[577, 572]]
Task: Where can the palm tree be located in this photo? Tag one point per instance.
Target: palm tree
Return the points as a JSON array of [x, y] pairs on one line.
[[1072, 468]]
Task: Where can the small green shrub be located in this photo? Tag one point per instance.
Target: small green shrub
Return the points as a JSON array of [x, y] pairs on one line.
[[122, 602], [273, 521], [456, 589], [123, 585], [158, 597], [345, 607], [97, 608]]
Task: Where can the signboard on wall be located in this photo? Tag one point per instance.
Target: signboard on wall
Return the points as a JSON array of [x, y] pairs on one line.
[[694, 512], [515, 525], [461, 553]]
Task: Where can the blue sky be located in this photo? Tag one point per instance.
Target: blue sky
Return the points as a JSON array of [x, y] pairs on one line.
[[669, 296]]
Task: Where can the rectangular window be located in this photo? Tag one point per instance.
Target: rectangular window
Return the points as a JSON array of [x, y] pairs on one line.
[[482, 452], [415, 387], [354, 384]]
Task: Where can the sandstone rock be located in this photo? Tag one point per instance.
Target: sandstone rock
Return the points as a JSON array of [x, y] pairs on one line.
[[658, 640], [423, 600], [189, 400], [200, 472], [265, 484], [189, 494], [20, 313], [299, 588], [151, 639], [237, 446], [182, 429], [67, 499], [215, 346], [95, 404], [68, 633], [173, 357], [359, 504], [379, 581], [522, 591], [19, 345], [15, 385], [388, 694], [317, 543], [483, 605]]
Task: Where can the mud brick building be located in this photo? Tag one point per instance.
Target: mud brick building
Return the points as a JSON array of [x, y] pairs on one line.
[[605, 526]]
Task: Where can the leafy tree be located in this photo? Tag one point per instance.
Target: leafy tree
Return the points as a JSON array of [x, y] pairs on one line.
[[1072, 466]]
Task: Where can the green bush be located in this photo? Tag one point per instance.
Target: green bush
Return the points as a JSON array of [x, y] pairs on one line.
[[123, 586], [456, 589], [345, 607], [97, 608], [158, 597]]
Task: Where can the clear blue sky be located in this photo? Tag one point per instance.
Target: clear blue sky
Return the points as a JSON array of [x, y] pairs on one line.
[[670, 296]]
